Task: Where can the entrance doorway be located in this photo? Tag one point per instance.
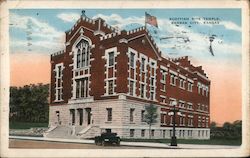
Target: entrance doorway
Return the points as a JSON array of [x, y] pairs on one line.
[[80, 114], [88, 111], [72, 114]]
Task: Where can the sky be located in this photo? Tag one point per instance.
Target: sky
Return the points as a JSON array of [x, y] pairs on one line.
[[37, 33]]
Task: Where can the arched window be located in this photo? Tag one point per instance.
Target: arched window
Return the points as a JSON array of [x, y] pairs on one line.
[[82, 57]]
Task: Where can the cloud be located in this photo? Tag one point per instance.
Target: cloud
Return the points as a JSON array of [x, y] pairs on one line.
[[68, 17], [173, 46], [44, 38], [231, 26], [122, 23]]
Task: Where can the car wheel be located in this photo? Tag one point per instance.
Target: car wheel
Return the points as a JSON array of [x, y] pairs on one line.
[[103, 143], [118, 142]]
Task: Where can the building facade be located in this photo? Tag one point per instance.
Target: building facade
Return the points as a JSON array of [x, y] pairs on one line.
[[104, 78]]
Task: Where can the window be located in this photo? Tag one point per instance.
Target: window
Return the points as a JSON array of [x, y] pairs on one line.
[[109, 114], [163, 80], [162, 99], [142, 115], [142, 90], [207, 92], [131, 88], [180, 133], [190, 87], [199, 121], [163, 76], [82, 88], [152, 81], [182, 84], [164, 133], [206, 121], [131, 116], [172, 80], [111, 58], [132, 132], [152, 95], [143, 64], [181, 104], [199, 89], [82, 57], [59, 81], [171, 120], [171, 101], [182, 120], [152, 133], [203, 91], [111, 87], [143, 133], [190, 106], [170, 133], [132, 60]]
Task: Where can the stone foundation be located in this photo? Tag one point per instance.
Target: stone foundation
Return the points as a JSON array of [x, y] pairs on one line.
[[95, 121]]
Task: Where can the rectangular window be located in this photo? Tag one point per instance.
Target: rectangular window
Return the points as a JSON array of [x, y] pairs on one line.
[[190, 87], [111, 87], [190, 106], [78, 60], [171, 120], [131, 88], [199, 121], [152, 81], [59, 81], [152, 133], [172, 80], [163, 133], [132, 132], [143, 133], [111, 58], [142, 90], [152, 95], [163, 76], [199, 89], [143, 64], [109, 114], [142, 115], [77, 89], [171, 101], [132, 60], [131, 115], [81, 88]]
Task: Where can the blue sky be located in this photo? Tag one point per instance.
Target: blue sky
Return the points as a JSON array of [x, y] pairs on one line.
[[42, 30]]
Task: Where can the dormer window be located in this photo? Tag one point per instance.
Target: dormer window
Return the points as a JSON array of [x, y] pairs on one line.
[[82, 57]]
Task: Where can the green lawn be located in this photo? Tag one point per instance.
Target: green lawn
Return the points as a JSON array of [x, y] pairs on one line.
[[26, 125], [212, 141]]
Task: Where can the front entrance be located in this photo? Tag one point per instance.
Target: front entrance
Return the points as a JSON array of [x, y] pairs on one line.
[[88, 111], [72, 116], [80, 114]]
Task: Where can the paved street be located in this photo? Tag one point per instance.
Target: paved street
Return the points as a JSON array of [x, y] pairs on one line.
[[35, 144], [59, 143]]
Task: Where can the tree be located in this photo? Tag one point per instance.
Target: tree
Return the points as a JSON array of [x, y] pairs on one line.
[[29, 103], [151, 116], [213, 125]]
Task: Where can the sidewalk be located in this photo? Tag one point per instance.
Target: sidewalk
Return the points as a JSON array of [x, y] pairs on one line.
[[139, 144]]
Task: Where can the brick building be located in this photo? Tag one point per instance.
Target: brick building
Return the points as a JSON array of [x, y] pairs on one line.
[[104, 78]]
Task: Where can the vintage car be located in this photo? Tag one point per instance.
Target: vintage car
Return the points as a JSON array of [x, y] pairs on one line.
[[107, 138]]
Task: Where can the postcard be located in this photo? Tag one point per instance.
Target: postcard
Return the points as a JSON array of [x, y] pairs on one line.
[[124, 78]]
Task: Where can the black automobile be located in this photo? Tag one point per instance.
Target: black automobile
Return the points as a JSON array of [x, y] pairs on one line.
[[107, 138]]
